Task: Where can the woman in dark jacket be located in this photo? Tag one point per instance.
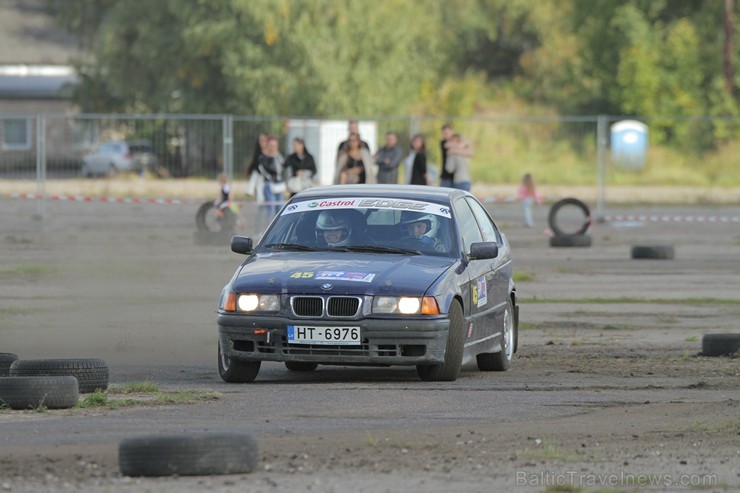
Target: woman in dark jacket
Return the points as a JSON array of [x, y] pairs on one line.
[[418, 172], [300, 168]]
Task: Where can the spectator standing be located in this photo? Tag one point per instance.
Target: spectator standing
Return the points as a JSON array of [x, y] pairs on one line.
[[416, 162], [270, 168], [259, 148], [528, 196], [356, 164], [457, 162], [300, 168], [445, 177], [388, 158], [352, 128]]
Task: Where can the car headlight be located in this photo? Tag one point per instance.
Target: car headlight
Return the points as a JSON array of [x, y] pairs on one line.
[[252, 302], [405, 305]]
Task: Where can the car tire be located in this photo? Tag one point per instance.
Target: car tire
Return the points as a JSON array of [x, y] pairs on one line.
[[552, 217], [6, 359], [57, 392], [720, 344], [301, 366], [206, 224], [92, 374], [570, 241], [235, 371], [501, 360], [653, 252], [188, 455], [450, 369]]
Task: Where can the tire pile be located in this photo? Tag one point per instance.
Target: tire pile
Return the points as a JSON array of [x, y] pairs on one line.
[[49, 383], [58, 383], [575, 237]]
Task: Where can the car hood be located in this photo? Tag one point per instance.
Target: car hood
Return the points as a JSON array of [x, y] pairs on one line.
[[346, 273]]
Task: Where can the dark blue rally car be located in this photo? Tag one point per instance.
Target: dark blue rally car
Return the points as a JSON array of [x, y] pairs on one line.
[[372, 275]]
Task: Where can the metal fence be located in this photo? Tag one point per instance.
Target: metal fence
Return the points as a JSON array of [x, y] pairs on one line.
[[561, 149]]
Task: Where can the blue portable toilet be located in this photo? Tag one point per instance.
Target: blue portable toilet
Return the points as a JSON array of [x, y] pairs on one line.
[[629, 141]]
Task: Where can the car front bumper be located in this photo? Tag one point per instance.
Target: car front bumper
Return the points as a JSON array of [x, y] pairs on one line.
[[384, 341]]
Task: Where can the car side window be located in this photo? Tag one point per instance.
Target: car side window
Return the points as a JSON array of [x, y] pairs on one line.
[[487, 227], [467, 225]]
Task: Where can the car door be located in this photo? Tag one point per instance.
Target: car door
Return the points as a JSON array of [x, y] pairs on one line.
[[475, 278], [499, 269]]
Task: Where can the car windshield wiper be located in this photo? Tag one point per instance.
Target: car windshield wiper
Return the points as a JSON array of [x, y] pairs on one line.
[[382, 249], [292, 246]]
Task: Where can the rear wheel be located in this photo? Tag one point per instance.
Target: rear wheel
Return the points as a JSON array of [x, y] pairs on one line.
[[235, 371], [300, 366], [450, 369], [501, 361]]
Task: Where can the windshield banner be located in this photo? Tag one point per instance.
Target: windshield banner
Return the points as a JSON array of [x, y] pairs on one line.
[[368, 203]]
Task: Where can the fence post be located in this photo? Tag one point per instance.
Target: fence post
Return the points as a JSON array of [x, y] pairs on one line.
[[602, 142], [228, 144], [40, 168]]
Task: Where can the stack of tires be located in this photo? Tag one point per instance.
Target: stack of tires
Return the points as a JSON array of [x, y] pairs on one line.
[[49, 383], [570, 230]]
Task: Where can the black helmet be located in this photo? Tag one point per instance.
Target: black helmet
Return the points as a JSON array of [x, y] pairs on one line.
[[332, 221]]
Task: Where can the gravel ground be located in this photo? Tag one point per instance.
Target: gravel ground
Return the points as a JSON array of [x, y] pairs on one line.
[[608, 391]]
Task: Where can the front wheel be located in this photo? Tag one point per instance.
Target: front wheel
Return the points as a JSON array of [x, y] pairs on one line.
[[235, 371], [450, 368], [501, 361]]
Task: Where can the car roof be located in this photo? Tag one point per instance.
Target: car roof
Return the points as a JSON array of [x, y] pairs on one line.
[[407, 192]]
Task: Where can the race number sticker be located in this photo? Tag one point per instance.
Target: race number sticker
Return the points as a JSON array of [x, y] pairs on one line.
[[331, 275], [482, 291]]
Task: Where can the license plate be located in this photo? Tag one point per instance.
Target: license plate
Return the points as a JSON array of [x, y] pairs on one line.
[[337, 336]]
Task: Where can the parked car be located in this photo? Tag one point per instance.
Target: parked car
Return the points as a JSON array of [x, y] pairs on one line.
[[372, 275], [117, 156]]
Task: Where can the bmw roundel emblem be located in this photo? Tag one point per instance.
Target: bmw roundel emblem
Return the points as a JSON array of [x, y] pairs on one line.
[[326, 286]]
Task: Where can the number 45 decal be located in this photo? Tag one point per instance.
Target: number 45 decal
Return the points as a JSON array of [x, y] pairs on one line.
[[301, 275]]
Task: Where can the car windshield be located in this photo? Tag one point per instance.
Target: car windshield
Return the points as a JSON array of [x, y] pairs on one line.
[[384, 226]]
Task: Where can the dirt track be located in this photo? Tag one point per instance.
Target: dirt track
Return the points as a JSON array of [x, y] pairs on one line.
[[607, 390]]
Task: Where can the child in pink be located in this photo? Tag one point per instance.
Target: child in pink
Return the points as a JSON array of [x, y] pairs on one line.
[[528, 196]]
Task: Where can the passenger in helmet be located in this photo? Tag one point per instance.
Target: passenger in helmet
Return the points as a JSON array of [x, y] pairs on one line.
[[415, 225], [334, 228]]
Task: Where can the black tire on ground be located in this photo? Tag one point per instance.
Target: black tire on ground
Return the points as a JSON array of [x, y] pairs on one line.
[[235, 371], [300, 366], [552, 216], [188, 455], [653, 252], [570, 241], [92, 374], [6, 359], [450, 369], [206, 219], [720, 344], [501, 361], [58, 392]]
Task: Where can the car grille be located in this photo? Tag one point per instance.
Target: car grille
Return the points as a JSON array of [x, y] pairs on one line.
[[335, 306], [304, 306], [325, 350]]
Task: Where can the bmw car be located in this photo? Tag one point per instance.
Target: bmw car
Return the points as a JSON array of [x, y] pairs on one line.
[[374, 275]]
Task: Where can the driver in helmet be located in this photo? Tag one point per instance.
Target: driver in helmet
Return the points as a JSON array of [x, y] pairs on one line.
[[334, 228], [415, 225]]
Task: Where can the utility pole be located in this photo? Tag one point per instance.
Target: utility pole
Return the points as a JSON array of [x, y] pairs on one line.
[[729, 83]]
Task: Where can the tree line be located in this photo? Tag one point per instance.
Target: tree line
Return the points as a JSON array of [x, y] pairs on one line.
[[331, 58]]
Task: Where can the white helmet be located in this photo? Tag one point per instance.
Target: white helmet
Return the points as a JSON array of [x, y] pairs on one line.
[[409, 217], [333, 221]]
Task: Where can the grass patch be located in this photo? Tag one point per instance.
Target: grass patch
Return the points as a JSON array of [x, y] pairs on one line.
[[144, 394], [520, 276], [627, 299], [134, 388], [12, 311], [692, 339], [27, 270]]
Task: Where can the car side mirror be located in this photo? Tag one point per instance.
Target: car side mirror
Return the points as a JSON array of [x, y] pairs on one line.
[[483, 250], [241, 244]]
